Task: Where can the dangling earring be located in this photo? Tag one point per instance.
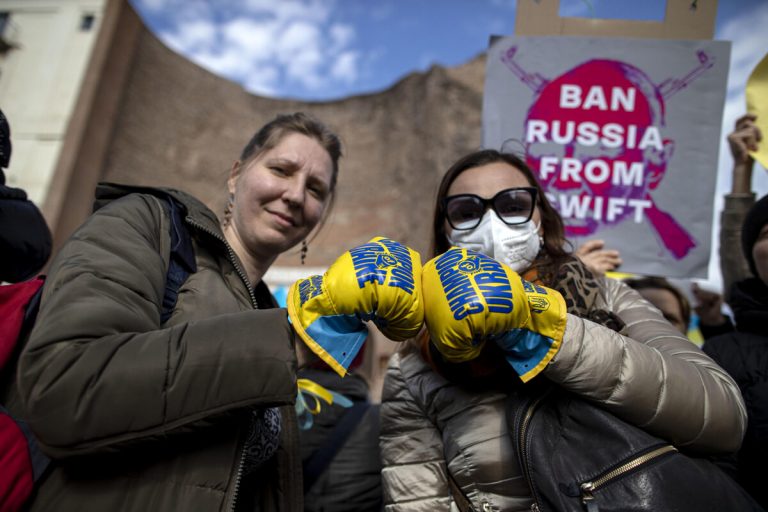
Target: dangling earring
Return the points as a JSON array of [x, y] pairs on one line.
[[304, 249], [228, 210]]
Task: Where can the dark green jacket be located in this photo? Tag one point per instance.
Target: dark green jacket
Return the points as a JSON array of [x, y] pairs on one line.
[[140, 416]]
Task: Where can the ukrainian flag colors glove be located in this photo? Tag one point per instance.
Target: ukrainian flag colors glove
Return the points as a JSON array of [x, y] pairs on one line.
[[470, 298], [378, 281]]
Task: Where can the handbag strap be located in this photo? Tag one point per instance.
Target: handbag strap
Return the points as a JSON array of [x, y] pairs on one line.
[[459, 497]]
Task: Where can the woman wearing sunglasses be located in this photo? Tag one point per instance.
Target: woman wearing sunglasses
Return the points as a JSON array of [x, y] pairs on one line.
[[445, 437]]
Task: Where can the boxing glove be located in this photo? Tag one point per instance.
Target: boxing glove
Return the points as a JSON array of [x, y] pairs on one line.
[[378, 281], [470, 299]]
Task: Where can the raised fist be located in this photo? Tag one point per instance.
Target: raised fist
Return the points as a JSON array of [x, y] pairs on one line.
[[378, 281], [470, 299]]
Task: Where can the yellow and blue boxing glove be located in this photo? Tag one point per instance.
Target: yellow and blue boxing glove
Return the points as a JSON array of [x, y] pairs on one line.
[[378, 281], [470, 298]]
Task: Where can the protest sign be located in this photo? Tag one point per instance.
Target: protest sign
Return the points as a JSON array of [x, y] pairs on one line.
[[623, 134]]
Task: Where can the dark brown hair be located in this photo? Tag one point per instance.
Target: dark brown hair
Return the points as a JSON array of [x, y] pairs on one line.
[[553, 252]]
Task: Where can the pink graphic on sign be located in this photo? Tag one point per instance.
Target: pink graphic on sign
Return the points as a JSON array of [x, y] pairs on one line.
[[593, 136]]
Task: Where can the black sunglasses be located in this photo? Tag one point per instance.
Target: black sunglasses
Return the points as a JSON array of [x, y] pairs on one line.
[[512, 205]]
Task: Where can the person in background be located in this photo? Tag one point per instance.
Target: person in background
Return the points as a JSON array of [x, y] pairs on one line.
[[444, 429], [743, 352], [25, 240], [195, 411], [745, 138], [709, 309], [340, 446], [666, 297], [25, 246], [709, 304]]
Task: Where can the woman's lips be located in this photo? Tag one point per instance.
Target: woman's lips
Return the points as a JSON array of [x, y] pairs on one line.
[[283, 219]]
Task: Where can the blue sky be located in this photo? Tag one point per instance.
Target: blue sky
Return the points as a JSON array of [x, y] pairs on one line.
[[329, 49]]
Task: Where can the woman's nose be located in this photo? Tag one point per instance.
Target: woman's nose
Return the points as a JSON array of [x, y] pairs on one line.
[[294, 191]]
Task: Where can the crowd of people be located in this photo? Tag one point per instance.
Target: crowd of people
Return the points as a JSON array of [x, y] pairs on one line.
[[196, 409]]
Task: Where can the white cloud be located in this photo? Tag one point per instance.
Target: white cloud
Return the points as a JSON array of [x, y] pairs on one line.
[[192, 35], [264, 82], [285, 10], [298, 37], [346, 67], [749, 45], [255, 39], [341, 36], [226, 63], [154, 5], [304, 68], [300, 52], [261, 43]]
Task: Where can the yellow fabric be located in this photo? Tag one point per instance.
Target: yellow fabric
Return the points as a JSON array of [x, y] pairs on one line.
[[300, 318], [379, 281], [313, 388], [757, 103], [620, 275], [470, 298]]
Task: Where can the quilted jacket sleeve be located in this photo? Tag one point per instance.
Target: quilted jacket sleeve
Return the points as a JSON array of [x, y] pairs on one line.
[[651, 375], [414, 476], [99, 372]]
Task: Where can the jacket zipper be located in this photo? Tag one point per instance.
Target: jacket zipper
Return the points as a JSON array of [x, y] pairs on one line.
[[587, 488], [252, 295], [523, 449], [238, 478], [232, 258]]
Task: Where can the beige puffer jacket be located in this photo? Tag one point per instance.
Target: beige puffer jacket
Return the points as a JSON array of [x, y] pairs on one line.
[[649, 375], [140, 416]]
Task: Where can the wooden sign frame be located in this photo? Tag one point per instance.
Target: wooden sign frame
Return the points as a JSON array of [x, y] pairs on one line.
[[684, 19]]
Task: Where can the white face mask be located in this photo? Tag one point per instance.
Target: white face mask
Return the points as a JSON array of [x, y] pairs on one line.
[[515, 246]]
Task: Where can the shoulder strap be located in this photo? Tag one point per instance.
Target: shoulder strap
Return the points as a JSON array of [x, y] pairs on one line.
[[319, 460], [38, 461], [461, 500], [182, 260]]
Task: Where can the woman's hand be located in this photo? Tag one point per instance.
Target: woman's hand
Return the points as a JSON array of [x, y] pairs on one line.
[[708, 306], [470, 298], [598, 259], [379, 281], [742, 140]]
